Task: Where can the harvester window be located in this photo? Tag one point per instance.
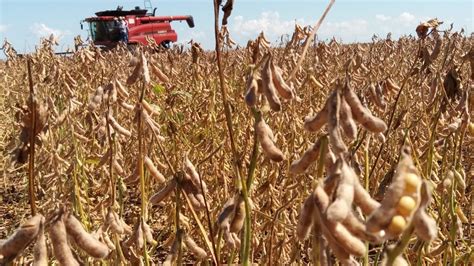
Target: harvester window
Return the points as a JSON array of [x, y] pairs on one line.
[[104, 31]]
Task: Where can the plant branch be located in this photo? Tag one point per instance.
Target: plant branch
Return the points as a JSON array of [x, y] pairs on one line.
[[310, 39]]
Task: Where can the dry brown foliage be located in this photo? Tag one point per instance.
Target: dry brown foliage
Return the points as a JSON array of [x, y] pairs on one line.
[[120, 129]]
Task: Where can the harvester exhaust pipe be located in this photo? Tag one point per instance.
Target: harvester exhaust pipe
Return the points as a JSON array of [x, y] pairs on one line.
[[190, 21]]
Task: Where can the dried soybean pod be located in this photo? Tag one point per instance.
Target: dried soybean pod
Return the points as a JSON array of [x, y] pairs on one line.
[[84, 240], [194, 175], [192, 192], [153, 170], [126, 228], [174, 248], [317, 121], [61, 249], [309, 156], [268, 87], [163, 193], [316, 82], [341, 241], [335, 138], [117, 167], [268, 131], [268, 147], [120, 129], [380, 95], [135, 74], [330, 161], [125, 105], [239, 216], [346, 240], [461, 183], [195, 249], [19, 240], [425, 226], [347, 122], [226, 214], [137, 236], [251, 93], [306, 219], [361, 114], [96, 99], [158, 73], [145, 70], [376, 97], [113, 223], [363, 199], [357, 228], [40, 252], [390, 86], [147, 233], [105, 237], [197, 203], [122, 92], [148, 107], [342, 205], [398, 261], [433, 91], [437, 48], [282, 88]]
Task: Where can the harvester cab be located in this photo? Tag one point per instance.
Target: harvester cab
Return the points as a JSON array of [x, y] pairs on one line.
[[108, 27]]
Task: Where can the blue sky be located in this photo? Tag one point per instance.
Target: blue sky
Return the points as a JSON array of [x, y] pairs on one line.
[[23, 22]]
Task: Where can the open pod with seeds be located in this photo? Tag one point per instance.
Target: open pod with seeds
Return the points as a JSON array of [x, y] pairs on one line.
[[330, 209], [401, 204]]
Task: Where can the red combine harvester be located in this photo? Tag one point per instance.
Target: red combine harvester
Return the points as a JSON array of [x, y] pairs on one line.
[[104, 28]]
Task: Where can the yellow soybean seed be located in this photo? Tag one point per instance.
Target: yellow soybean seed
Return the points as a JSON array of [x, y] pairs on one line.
[[412, 181], [406, 205], [397, 225]]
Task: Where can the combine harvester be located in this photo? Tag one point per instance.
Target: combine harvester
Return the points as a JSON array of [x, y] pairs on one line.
[[142, 27]]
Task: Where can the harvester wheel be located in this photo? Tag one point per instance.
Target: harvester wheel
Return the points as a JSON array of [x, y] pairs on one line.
[[166, 44]]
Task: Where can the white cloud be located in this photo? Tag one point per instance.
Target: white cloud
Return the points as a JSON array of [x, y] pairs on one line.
[[406, 18], [41, 30], [3, 28], [196, 36], [383, 17], [404, 23], [269, 22], [349, 30]]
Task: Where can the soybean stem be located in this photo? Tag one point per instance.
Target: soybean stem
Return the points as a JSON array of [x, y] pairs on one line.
[[32, 135]]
